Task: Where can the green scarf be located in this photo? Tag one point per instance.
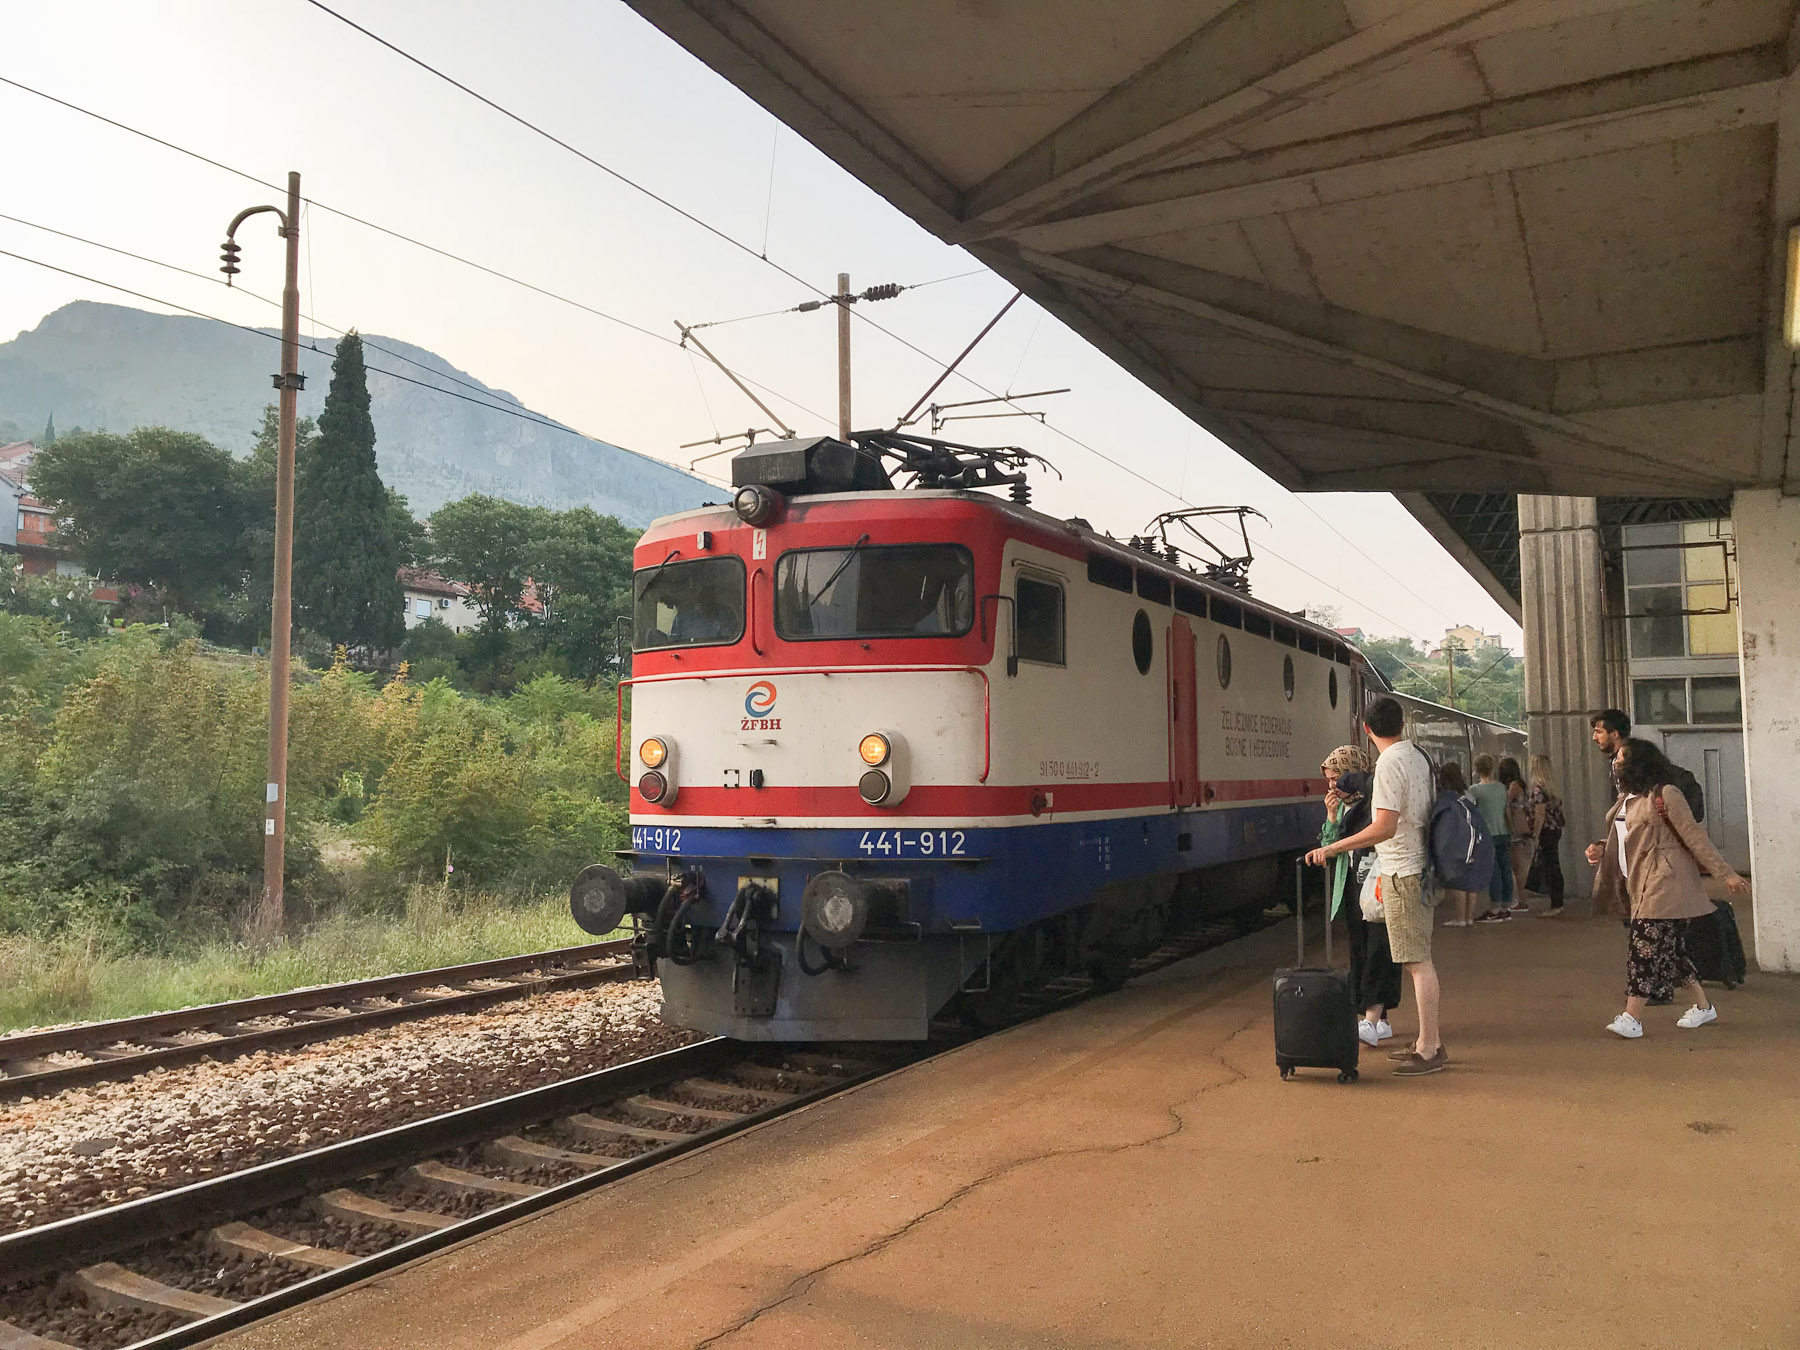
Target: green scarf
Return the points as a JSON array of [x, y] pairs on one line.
[[1340, 866]]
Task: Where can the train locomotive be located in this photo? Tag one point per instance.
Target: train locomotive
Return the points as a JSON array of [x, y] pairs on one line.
[[904, 753]]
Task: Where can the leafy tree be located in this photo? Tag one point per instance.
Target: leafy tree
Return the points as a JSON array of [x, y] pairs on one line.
[[346, 559], [1488, 684], [164, 509], [485, 543], [581, 566], [49, 432]]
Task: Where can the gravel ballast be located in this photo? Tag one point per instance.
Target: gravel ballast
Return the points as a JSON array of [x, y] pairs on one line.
[[78, 1150]]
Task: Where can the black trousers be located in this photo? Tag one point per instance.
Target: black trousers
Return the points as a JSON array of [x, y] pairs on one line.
[[1549, 867], [1374, 978]]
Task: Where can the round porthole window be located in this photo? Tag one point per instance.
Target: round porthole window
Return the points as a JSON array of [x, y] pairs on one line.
[[1224, 662], [1143, 645], [1331, 687], [1287, 677]]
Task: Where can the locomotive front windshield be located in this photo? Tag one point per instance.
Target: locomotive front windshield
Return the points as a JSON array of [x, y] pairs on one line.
[[688, 604], [906, 590]]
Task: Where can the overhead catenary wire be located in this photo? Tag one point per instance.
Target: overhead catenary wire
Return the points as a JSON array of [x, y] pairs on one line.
[[524, 414], [400, 236], [264, 299], [708, 227]]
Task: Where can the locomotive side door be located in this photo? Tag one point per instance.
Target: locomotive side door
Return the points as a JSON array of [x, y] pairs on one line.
[[1184, 744]]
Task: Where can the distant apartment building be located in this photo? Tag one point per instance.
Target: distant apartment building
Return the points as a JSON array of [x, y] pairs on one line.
[[430, 596], [1463, 638], [1354, 636], [26, 524]]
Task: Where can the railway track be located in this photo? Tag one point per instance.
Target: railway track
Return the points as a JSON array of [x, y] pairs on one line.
[[48, 1061], [175, 1268]]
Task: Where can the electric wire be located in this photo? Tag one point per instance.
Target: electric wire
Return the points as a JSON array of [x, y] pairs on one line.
[[368, 342], [685, 214], [556, 140], [392, 233], [524, 414]]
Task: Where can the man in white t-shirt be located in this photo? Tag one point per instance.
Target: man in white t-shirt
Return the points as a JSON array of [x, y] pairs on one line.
[[1401, 800]]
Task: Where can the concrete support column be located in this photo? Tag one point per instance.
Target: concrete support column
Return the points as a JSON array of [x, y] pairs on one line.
[[1563, 584], [1767, 526]]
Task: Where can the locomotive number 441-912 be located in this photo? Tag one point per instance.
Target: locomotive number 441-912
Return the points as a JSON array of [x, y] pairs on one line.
[[914, 843]]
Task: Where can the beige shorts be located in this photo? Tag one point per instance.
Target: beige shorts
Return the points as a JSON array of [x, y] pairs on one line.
[[1408, 918]]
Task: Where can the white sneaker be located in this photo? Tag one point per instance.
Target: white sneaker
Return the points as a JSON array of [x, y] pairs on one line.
[[1697, 1017], [1627, 1026], [1366, 1032], [1383, 1032]]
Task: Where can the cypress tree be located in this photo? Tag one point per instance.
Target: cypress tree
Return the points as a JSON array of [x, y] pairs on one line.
[[50, 430], [346, 559]]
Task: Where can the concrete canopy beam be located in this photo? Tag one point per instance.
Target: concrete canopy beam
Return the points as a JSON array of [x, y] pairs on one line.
[[1477, 156], [1354, 340], [1258, 57]]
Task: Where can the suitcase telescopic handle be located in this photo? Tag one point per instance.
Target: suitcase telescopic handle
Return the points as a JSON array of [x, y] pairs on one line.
[[1300, 912]]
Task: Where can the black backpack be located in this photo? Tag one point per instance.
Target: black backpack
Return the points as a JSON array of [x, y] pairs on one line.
[[1689, 787]]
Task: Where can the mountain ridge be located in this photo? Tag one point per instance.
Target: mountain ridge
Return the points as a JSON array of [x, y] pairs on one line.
[[440, 433]]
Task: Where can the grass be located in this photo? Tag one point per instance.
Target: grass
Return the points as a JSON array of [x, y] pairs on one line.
[[45, 983]]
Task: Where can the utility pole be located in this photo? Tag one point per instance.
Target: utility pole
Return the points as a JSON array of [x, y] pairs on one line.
[[269, 915], [844, 300], [1450, 671]]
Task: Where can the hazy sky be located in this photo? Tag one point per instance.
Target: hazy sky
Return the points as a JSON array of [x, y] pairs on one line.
[[278, 85]]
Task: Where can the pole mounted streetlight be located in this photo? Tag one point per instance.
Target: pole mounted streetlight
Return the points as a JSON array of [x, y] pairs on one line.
[[269, 913]]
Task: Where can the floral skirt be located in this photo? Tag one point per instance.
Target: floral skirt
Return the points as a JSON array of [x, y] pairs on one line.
[[1657, 962]]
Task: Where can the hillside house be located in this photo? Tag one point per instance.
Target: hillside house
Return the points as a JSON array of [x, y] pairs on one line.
[[430, 596]]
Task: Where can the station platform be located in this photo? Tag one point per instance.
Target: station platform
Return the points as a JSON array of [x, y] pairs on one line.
[[1133, 1172]]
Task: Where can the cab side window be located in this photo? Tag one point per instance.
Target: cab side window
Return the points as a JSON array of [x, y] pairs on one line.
[[1040, 621]]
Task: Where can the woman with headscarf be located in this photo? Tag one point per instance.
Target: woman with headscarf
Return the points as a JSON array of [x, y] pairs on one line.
[[1375, 983]]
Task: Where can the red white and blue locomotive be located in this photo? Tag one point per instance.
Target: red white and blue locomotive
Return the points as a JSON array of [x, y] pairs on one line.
[[894, 753]]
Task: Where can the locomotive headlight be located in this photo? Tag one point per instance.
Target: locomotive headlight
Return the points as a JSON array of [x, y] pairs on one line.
[[660, 780], [757, 504], [888, 776]]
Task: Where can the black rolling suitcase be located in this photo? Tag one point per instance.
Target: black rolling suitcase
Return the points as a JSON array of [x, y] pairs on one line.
[[1315, 1024], [1715, 948]]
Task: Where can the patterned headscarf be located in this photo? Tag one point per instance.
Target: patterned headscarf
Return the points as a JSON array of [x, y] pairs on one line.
[[1347, 759]]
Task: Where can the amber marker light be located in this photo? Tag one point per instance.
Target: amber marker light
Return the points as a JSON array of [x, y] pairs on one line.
[[653, 752], [873, 748]]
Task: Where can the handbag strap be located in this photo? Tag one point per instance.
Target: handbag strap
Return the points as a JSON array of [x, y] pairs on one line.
[[1662, 809]]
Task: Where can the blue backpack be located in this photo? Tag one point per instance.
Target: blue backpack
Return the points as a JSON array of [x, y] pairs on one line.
[[1457, 843]]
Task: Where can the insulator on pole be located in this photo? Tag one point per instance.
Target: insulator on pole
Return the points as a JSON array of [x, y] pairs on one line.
[[886, 291], [230, 258]]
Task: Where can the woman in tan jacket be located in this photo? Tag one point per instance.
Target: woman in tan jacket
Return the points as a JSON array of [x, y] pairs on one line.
[[1661, 851]]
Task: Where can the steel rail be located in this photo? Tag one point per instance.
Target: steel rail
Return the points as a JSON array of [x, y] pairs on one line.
[[223, 1017], [88, 1238]]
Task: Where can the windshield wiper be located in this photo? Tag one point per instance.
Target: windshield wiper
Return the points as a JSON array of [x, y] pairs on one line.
[[807, 597], [651, 579]]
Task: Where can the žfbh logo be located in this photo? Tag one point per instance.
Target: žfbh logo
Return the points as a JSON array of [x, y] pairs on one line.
[[759, 702]]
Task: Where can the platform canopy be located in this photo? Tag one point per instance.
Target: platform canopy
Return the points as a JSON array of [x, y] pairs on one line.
[[1446, 248]]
